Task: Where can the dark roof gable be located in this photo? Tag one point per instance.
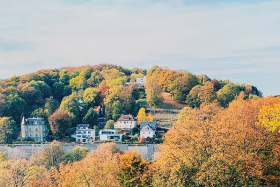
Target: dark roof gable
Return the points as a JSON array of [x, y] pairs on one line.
[[152, 124], [34, 121], [83, 125]]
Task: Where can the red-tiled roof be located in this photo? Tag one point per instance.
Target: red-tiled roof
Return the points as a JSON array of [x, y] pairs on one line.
[[126, 118], [96, 108]]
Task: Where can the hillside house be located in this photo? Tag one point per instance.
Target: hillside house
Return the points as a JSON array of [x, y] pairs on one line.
[[34, 128], [141, 81], [148, 129], [84, 133], [126, 122], [109, 135]]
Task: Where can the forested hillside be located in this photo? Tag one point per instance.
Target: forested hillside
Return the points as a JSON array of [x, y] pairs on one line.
[[194, 90], [71, 94]]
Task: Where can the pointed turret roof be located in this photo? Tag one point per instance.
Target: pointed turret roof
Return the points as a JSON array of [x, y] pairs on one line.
[[23, 120]]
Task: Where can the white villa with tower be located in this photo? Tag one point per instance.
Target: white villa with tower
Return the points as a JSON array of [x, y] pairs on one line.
[[34, 128]]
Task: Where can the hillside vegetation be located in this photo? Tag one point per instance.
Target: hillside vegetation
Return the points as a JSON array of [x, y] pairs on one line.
[[72, 93], [208, 146]]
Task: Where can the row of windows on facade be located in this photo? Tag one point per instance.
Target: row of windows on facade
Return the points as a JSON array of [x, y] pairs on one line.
[[79, 136], [149, 133], [127, 122], [80, 132], [36, 135], [36, 129]]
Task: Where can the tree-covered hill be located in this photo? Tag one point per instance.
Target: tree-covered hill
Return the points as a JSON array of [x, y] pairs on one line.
[[73, 93]]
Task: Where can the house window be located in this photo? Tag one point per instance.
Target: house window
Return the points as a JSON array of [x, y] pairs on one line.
[[30, 135], [149, 133], [85, 132], [36, 129], [143, 133], [30, 129], [36, 135], [43, 128]]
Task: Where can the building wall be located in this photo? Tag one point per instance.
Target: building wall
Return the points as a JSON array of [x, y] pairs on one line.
[[146, 134], [24, 151], [125, 124], [37, 132], [79, 137]]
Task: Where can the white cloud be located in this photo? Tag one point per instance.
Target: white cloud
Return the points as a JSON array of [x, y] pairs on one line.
[[170, 33]]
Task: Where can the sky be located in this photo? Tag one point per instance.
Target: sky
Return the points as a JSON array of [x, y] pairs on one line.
[[236, 40]]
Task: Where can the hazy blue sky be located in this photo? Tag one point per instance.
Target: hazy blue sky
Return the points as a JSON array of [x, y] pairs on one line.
[[236, 40]]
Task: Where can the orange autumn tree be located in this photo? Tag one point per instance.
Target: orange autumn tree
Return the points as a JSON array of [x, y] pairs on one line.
[[99, 168], [220, 147], [134, 170], [188, 144]]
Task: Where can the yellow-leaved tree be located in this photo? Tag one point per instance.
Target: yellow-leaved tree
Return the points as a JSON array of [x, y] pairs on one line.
[[150, 118], [141, 117], [269, 116]]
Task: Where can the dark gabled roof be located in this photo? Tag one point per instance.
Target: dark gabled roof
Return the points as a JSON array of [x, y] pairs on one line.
[[35, 121], [126, 118], [83, 125], [152, 124]]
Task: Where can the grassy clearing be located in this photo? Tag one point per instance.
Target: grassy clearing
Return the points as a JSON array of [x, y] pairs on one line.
[[168, 102], [165, 120]]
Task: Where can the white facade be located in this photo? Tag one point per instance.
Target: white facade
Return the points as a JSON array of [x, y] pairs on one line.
[[148, 129], [147, 132], [125, 122], [84, 134], [34, 128], [109, 135], [141, 81]]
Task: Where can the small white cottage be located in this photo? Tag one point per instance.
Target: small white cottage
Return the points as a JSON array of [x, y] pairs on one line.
[[148, 129]]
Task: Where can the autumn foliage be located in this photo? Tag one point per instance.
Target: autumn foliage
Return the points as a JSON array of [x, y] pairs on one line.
[[221, 147]]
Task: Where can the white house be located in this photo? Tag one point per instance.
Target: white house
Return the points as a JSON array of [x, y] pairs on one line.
[[109, 135], [126, 122], [141, 81], [34, 128], [84, 134], [148, 129]]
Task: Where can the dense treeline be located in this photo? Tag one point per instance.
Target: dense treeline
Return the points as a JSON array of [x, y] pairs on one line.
[[208, 146], [67, 96], [193, 89]]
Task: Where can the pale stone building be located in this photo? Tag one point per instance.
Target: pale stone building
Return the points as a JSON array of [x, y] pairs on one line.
[[34, 128], [126, 122]]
